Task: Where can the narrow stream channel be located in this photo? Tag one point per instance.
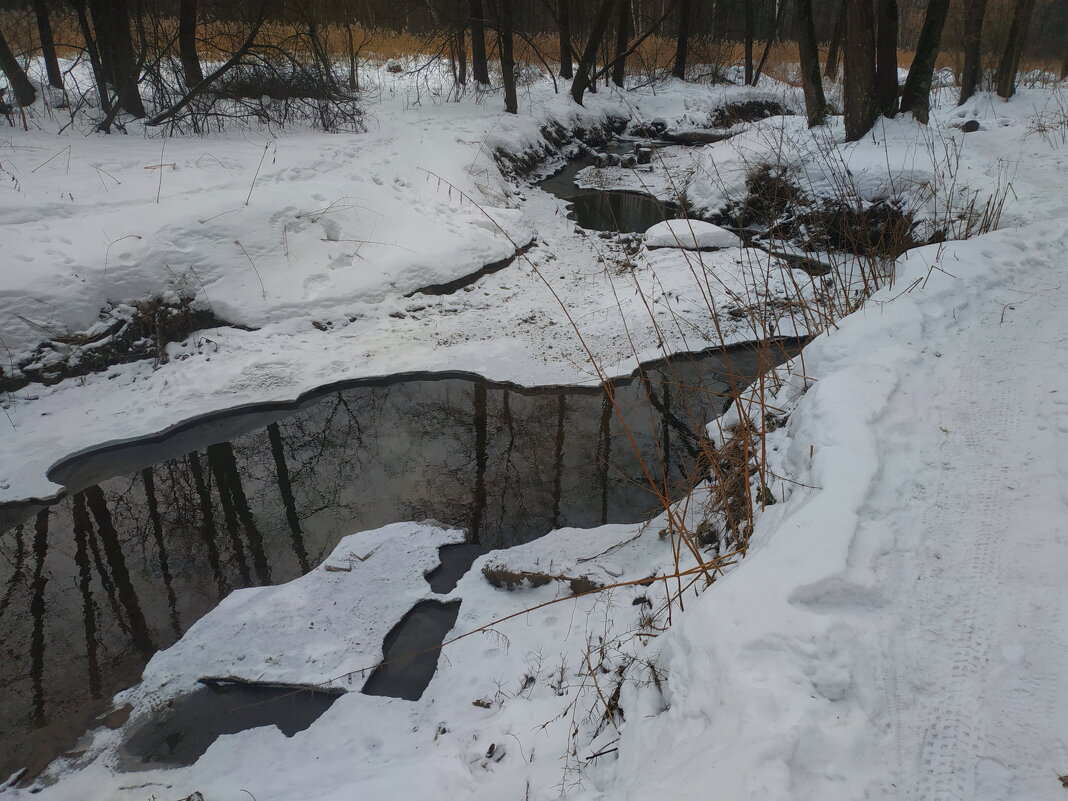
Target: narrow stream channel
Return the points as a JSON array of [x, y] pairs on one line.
[[154, 534]]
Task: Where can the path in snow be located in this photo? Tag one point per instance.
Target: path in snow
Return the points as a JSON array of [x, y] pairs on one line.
[[974, 687]]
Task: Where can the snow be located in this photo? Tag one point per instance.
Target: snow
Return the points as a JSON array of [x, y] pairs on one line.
[[897, 627], [690, 235]]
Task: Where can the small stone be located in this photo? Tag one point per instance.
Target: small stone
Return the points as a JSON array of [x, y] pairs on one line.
[[971, 126]]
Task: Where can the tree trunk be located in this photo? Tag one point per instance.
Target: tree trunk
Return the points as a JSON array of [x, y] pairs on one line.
[[886, 56], [479, 66], [1005, 77], [972, 74], [861, 108], [48, 45], [834, 49], [780, 12], [94, 62], [566, 56], [750, 24], [115, 46], [354, 70], [589, 55], [25, 94], [619, 66], [815, 102], [682, 42], [916, 96], [504, 44], [187, 43]]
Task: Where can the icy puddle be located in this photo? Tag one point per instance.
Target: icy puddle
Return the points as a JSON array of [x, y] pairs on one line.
[[154, 533], [618, 211], [187, 726]]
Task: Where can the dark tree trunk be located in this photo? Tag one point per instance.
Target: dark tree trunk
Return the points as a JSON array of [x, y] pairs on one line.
[[504, 43], [566, 56], [972, 73], [623, 31], [682, 42], [859, 97], [916, 96], [886, 56], [115, 46], [94, 61], [479, 65], [354, 72], [750, 25], [25, 94], [48, 45], [834, 49], [589, 55], [1005, 77], [187, 43], [461, 57], [815, 102], [772, 36]]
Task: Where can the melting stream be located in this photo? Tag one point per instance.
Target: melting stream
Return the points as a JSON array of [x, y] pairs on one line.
[[155, 533]]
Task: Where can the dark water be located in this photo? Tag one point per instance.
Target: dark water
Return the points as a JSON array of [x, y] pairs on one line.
[[153, 535], [455, 561], [410, 653], [600, 210], [619, 211], [188, 725]]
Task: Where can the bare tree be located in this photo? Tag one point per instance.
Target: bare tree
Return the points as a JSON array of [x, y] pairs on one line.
[[861, 107], [48, 45], [623, 31], [886, 56], [682, 40], [566, 56], [972, 73], [916, 95], [505, 32], [111, 20], [16, 76], [187, 42], [479, 64], [834, 48], [805, 33], [589, 55], [1005, 77]]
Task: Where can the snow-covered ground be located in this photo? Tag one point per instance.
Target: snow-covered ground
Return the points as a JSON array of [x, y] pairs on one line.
[[897, 629]]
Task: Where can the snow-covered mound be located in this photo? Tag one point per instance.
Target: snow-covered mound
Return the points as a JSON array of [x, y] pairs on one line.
[[690, 235]]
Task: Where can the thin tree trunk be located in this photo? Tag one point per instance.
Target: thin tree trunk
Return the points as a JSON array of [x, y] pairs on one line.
[[25, 94], [589, 55], [972, 74], [623, 31], [1005, 77], [682, 42], [504, 44], [115, 45], [916, 96], [772, 36], [354, 72], [566, 56], [750, 24], [187, 43], [834, 49], [811, 82], [886, 86], [94, 61], [479, 65], [48, 45], [859, 98]]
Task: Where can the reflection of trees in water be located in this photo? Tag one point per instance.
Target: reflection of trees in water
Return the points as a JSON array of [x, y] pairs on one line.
[[102, 578]]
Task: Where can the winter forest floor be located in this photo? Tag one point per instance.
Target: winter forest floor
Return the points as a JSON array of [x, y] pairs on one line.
[[897, 629]]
